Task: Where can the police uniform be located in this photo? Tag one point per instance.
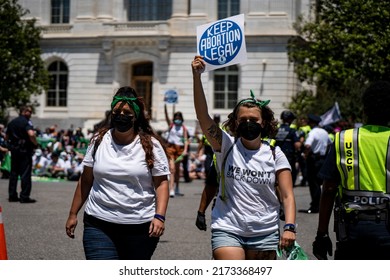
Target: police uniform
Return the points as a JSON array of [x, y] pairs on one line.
[[21, 148], [318, 140], [286, 138], [362, 172]]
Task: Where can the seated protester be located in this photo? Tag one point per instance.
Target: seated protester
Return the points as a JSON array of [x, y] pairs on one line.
[[68, 161], [40, 163], [74, 173], [56, 167]]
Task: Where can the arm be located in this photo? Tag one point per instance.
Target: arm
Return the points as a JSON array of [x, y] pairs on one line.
[[33, 138], [322, 245], [209, 192], [297, 146], [211, 130], [287, 197], [166, 115], [329, 190], [83, 188], [186, 141], [157, 227]]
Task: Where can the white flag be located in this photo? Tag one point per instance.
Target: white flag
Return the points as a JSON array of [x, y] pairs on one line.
[[331, 116]]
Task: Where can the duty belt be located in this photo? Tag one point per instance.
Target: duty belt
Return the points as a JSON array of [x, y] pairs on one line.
[[371, 215]]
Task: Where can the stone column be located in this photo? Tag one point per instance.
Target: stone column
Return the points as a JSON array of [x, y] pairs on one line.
[[104, 10], [179, 8], [85, 9], [199, 7]]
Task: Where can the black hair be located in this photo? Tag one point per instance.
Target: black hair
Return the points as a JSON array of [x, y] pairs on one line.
[[376, 103], [178, 114]]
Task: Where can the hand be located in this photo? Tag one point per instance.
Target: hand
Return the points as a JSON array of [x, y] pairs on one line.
[[201, 221], [287, 240], [198, 65], [322, 246], [70, 226], [156, 228]]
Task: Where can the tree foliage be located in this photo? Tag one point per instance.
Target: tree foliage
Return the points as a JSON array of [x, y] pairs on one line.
[[343, 48], [22, 71]]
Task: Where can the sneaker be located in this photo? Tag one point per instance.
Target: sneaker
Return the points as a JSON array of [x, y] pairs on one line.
[[310, 210], [13, 199], [28, 200], [179, 194], [171, 194]]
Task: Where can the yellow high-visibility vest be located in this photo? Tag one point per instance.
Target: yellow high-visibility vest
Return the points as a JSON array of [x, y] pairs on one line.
[[363, 160]]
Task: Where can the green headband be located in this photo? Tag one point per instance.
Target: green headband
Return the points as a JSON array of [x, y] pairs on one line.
[[128, 100], [252, 99]]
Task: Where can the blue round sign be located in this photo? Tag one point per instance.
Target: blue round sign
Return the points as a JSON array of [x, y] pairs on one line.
[[221, 42], [171, 96]]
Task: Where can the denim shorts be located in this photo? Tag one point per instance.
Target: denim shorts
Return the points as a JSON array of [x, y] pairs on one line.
[[268, 242]]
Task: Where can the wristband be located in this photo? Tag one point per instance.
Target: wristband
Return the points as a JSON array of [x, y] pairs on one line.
[[159, 217], [289, 227]]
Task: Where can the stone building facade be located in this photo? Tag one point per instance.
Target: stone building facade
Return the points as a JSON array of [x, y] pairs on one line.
[[92, 47]]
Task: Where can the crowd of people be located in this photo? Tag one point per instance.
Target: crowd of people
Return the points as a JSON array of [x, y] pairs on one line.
[[57, 153]]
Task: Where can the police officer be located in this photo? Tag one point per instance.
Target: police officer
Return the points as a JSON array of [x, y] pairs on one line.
[[288, 140], [21, 142], [357, 178], [316, 147]]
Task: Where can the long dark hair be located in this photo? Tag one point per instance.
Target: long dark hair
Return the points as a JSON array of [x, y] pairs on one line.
[[142, 127]]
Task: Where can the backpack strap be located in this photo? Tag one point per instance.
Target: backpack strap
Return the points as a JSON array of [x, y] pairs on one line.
[[222, 174]]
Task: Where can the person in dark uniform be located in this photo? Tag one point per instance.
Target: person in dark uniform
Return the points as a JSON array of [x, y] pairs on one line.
[[357, 185], [316, 147], [288, 141], [21, 142], [206, 149]]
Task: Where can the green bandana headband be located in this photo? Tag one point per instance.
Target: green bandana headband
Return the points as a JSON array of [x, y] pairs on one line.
[[252, 99], [128, 100]]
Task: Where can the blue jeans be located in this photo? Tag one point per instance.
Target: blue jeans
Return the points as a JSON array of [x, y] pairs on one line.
[[108, 241]]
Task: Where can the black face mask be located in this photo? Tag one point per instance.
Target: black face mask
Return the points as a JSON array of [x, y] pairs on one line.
[[122, 123], [249, 130]]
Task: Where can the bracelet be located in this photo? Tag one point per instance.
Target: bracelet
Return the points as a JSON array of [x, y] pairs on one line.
[[159, 217], [289, 227]]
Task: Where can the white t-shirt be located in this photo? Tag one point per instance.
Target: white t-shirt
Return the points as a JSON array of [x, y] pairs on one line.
[[176, 135], [251, 207], [319, 140], [123, 191]]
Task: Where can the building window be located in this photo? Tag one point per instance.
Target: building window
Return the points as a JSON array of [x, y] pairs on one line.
[[228, 8], [225, 87], [143, 10], [58, 87], [60, 11]]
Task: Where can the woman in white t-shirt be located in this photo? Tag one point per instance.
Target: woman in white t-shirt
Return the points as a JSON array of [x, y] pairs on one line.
[[245, 218], [177, 149], [125, 184]]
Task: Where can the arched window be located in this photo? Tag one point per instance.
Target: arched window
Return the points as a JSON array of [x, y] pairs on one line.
[[148, 10], [60, 10], [57, 93], [228, 8], [226, 87]]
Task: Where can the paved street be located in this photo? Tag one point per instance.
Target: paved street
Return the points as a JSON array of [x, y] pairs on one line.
[[37, 231]]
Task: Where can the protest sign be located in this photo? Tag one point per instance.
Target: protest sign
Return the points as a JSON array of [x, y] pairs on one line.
[[222, 43], [171, 96]]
